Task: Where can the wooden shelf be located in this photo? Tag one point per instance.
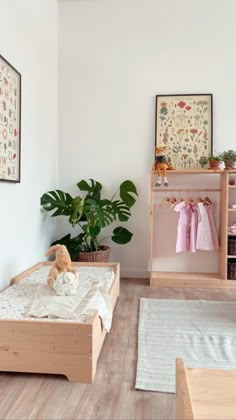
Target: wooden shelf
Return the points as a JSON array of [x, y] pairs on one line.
[[180, 279], [183, 275], [201, 171], [231, 256], [194, 171], [229, 209], [232, 186], [166, 189]]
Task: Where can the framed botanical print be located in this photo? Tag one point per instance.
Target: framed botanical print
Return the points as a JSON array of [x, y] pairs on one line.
[[10, 122], [184, 127]]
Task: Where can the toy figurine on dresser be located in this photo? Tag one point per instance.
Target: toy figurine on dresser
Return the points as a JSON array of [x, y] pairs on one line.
[[161, 165]]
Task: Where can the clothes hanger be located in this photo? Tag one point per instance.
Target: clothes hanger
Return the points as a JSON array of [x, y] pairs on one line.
[[164, 202], [198, 199], [178, 200], [173, 199], [207, 201], [188, 200]]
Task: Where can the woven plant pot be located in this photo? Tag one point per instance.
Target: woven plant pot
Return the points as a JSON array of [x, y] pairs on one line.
[[96, 256]]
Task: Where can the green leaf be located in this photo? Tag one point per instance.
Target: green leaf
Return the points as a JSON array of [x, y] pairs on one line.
[[93, 190], [58, 200], [65, 240], [94, 231], [74, 245], [99, 213], [121, 210], [95, 244], [126, 188], [121, 235], [90, 237], [77, 208]]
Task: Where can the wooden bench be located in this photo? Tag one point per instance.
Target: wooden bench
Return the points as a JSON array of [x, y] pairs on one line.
[[205, 393]]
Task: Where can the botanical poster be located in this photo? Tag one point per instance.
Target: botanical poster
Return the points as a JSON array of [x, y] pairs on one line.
[[184, 126], [10, 90]]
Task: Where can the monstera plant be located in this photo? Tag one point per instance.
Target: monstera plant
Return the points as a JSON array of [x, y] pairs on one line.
[[92, 213]]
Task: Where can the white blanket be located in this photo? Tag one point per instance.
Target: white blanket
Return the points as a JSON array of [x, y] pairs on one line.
[[16, 301], [48, 304]]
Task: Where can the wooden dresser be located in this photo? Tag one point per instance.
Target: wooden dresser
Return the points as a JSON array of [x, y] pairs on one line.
[[205, 393]]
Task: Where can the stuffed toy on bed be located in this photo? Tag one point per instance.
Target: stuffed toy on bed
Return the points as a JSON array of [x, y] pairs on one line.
[[62, 277]]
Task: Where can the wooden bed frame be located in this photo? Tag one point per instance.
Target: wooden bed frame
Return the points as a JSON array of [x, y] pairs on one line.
[[68, 348]]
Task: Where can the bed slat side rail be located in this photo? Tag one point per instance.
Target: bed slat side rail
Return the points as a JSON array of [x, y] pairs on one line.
[[26, 273]]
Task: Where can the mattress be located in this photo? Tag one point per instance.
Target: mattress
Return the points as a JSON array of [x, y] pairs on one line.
[[16, 300]]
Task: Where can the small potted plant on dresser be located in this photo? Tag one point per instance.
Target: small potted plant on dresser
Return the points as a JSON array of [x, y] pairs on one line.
[[229, 158], [214, 161], [92, 213]]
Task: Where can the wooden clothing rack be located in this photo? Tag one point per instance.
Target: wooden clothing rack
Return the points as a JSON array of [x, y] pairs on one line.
[[185, 189], [189, 279]]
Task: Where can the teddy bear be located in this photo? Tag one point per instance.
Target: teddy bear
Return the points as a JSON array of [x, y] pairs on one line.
[[161, 164], [62, 277]]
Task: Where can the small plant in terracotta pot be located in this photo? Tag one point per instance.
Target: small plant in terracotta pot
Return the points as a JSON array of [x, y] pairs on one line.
[[214, 161]]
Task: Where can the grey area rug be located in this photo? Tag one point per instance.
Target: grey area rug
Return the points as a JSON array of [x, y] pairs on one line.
[[203, 333]]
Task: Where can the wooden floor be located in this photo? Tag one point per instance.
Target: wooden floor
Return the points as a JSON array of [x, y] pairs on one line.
[[112, 394]]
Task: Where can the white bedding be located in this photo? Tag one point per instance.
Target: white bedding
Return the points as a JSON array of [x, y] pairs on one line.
[[16, 301]]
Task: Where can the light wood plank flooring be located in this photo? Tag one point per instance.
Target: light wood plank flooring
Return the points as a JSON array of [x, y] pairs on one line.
[[112, 394]]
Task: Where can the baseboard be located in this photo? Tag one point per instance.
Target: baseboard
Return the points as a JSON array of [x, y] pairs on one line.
[[140, 274]]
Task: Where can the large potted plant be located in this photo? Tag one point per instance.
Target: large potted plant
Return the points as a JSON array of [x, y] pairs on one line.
[[229, 158], [92, 213]]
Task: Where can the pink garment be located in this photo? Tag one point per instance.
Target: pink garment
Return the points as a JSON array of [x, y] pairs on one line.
[[193, 227], [204, 237], [211, 217], [183, 230]]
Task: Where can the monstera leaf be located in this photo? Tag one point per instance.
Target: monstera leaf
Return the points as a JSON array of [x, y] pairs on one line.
[[77, 208], [99, 213], [57, 200], [93, 190], [127, 190], [121, 210], [121, 235]]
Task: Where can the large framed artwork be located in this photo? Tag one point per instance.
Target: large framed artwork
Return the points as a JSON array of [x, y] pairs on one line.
[[184, 127], [10, 122]]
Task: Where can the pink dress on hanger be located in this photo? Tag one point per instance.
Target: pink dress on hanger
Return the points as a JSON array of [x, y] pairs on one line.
[[204, 238], [211, 216], [193, 227], [183, 230]]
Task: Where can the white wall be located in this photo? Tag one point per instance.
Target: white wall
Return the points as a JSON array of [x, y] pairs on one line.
[[114, 57], [28, 34]]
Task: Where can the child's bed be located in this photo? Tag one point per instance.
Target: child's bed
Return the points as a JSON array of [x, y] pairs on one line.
[[56, 346]]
